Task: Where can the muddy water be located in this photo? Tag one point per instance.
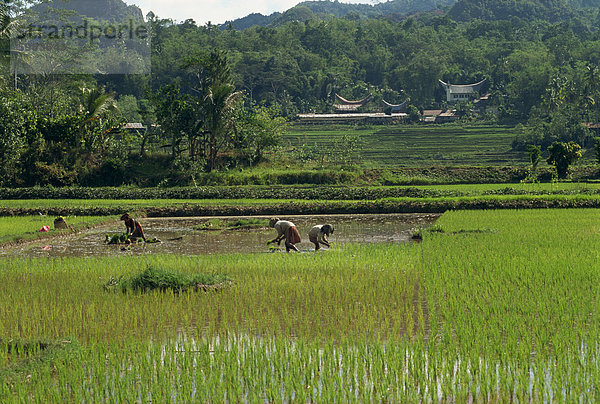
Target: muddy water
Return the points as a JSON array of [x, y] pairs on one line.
[[179, 236]]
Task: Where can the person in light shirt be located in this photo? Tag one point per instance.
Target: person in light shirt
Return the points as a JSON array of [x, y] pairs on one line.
[[318, 235], [285, 230]]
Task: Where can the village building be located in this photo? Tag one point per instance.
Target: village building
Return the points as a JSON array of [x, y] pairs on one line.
[[395, 108], [344, 106], [462, 92], [438, 116]]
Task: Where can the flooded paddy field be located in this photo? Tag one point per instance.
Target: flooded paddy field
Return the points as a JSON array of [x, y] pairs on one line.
[[185, 236], [492, 306]]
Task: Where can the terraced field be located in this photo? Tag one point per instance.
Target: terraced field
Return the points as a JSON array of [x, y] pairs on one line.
[[419, 145]]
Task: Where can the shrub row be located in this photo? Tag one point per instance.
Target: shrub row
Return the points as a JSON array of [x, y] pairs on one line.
[[255, 192], [335, 193]]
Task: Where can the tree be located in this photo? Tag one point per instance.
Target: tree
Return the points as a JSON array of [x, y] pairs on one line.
[[97, 109], [218, 105], [12, 137], [256, 130], [562, 155], [535, 155], [175, 115], [414, 115], [217, 102]]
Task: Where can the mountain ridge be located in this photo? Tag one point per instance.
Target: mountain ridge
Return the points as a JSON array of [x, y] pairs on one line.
[[324, 8], [458, 10]]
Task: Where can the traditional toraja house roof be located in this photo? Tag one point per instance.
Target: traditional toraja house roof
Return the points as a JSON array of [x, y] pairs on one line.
[[459, 92], [344, 105], [396, 108]]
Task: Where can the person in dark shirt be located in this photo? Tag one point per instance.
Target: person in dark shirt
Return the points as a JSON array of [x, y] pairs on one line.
[[134, 228]]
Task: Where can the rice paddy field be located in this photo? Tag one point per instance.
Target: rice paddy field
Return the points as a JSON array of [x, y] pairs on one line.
[[22, 228], [492, 306], [420, 144]]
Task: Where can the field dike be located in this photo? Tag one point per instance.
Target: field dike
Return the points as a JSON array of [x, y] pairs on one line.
[[54, 233], [386, 206]]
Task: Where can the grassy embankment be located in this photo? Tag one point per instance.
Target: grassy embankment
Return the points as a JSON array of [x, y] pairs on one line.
[[493, 306], [27, 228], [254, 200]]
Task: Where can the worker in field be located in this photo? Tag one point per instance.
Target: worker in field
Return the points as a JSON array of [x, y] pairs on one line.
[[134, 228], [285, 230], [318, 235]]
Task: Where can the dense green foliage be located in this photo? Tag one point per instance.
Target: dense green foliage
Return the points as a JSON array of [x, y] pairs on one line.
[[216, 98], [317, 10], [108, 10], [562, 155], [549, 10], [23, 357]]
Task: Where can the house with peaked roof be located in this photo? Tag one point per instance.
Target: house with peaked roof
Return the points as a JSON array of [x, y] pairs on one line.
[[462, 92], [396, 108], [344, 106]]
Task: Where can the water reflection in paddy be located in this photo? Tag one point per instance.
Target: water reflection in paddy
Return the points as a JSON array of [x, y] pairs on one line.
[[180, 236]]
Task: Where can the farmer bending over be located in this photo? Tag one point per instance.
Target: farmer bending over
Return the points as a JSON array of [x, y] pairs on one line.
[[285, 230], [318, 235], [134, 228]]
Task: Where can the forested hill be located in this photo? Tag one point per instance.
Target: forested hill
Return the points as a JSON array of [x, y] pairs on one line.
[[105, 10], [492, 10], [309, 10], [461, 10]]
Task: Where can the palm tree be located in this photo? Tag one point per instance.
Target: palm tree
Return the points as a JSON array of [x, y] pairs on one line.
[[95, 103], [94, 107], [219, 103], [4, 19]]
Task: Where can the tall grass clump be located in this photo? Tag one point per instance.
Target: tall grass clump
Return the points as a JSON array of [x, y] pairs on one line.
[[154, 278]]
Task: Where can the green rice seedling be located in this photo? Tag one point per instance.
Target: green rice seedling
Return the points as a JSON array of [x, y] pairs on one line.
[[26, 357], [211, 224], [508, 314], [250, 223], [119, 238]]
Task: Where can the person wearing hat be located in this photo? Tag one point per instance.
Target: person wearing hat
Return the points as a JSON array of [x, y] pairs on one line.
[[134, 228], [318, 235], [285, 230]]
